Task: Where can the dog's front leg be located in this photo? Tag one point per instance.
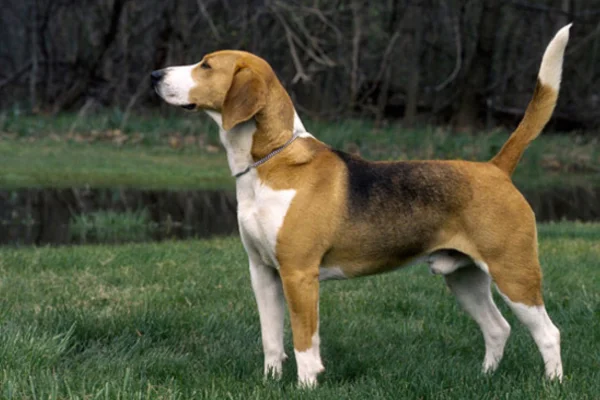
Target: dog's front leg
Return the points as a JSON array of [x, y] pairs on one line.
[[268, 291], [301, 288]]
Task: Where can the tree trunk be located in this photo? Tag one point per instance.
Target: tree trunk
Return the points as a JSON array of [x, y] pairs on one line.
[[412, 91], [69, 97], [34, 58], [476, 76], [357, 17]]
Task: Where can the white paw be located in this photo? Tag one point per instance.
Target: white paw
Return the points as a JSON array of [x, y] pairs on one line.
[[555, 373], [309, 366], [274, 366], [308, 380], [490, 364]]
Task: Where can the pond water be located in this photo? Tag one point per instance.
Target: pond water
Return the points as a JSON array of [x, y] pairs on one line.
[[83, 215]]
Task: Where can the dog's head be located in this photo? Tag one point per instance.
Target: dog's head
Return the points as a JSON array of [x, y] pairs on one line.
[[233, 83]]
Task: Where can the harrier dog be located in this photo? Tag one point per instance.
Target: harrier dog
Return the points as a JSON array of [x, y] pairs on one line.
[[308, 212]]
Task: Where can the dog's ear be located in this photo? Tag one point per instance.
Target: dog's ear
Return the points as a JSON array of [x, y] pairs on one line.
[[245, 97]]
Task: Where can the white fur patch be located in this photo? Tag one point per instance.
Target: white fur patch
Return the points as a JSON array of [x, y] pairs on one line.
[[545, 335], [551, 68], [176, 84], [299, 128], [237, 142], [261, 211], [309, 363]]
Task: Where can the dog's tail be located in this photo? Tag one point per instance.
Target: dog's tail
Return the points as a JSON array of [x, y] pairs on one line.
[[540, 107]]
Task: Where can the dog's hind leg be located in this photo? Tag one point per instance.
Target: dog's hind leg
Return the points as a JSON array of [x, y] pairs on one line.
[[268, 291], [521, 288], [472, 287]]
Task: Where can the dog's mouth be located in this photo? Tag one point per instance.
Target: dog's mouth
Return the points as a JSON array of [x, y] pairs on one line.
[[189, 106]]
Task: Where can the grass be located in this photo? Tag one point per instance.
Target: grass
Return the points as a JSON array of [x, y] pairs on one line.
[[45, 164], [181, 150], [108, 226], [178, 320]]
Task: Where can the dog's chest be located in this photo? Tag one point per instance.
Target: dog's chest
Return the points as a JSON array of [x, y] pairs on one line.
[[261, 212]]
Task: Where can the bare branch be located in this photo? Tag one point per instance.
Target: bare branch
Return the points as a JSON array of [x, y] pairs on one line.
[[300, 73], [206, 16], [458, 63], [16, 75]]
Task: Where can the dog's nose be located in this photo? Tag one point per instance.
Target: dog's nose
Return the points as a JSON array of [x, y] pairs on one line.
[[156, 76]]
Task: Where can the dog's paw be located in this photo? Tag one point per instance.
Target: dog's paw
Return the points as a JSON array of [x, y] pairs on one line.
[[309, 367], [309, 380], [489, 366], [555, 374], [274, 366], [307, 383]]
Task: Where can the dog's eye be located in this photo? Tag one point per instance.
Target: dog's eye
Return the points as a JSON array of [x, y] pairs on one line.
[[205, 65]]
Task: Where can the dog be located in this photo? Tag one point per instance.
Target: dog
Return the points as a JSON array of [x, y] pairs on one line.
[[308, 212]]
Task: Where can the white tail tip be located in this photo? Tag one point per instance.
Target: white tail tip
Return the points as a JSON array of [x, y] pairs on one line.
[[551, 68]]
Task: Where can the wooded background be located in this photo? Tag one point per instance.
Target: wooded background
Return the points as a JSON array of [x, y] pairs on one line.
[[471, 64]]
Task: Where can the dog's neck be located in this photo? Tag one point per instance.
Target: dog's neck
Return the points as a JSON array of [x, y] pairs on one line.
[[239, 142], [274, 121]]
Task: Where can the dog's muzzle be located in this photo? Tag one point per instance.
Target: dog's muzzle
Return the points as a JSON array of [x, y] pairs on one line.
[[156, 79]]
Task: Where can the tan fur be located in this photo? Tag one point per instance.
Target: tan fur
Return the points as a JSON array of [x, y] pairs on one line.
[[309, 227], [245, 97], [536, 116]]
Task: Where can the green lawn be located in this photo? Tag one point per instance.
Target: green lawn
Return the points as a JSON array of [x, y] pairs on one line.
[[178, 320], [182, 150], [100, 165]]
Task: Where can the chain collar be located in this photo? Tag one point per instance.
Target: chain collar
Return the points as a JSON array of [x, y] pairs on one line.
[[267, 157]]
